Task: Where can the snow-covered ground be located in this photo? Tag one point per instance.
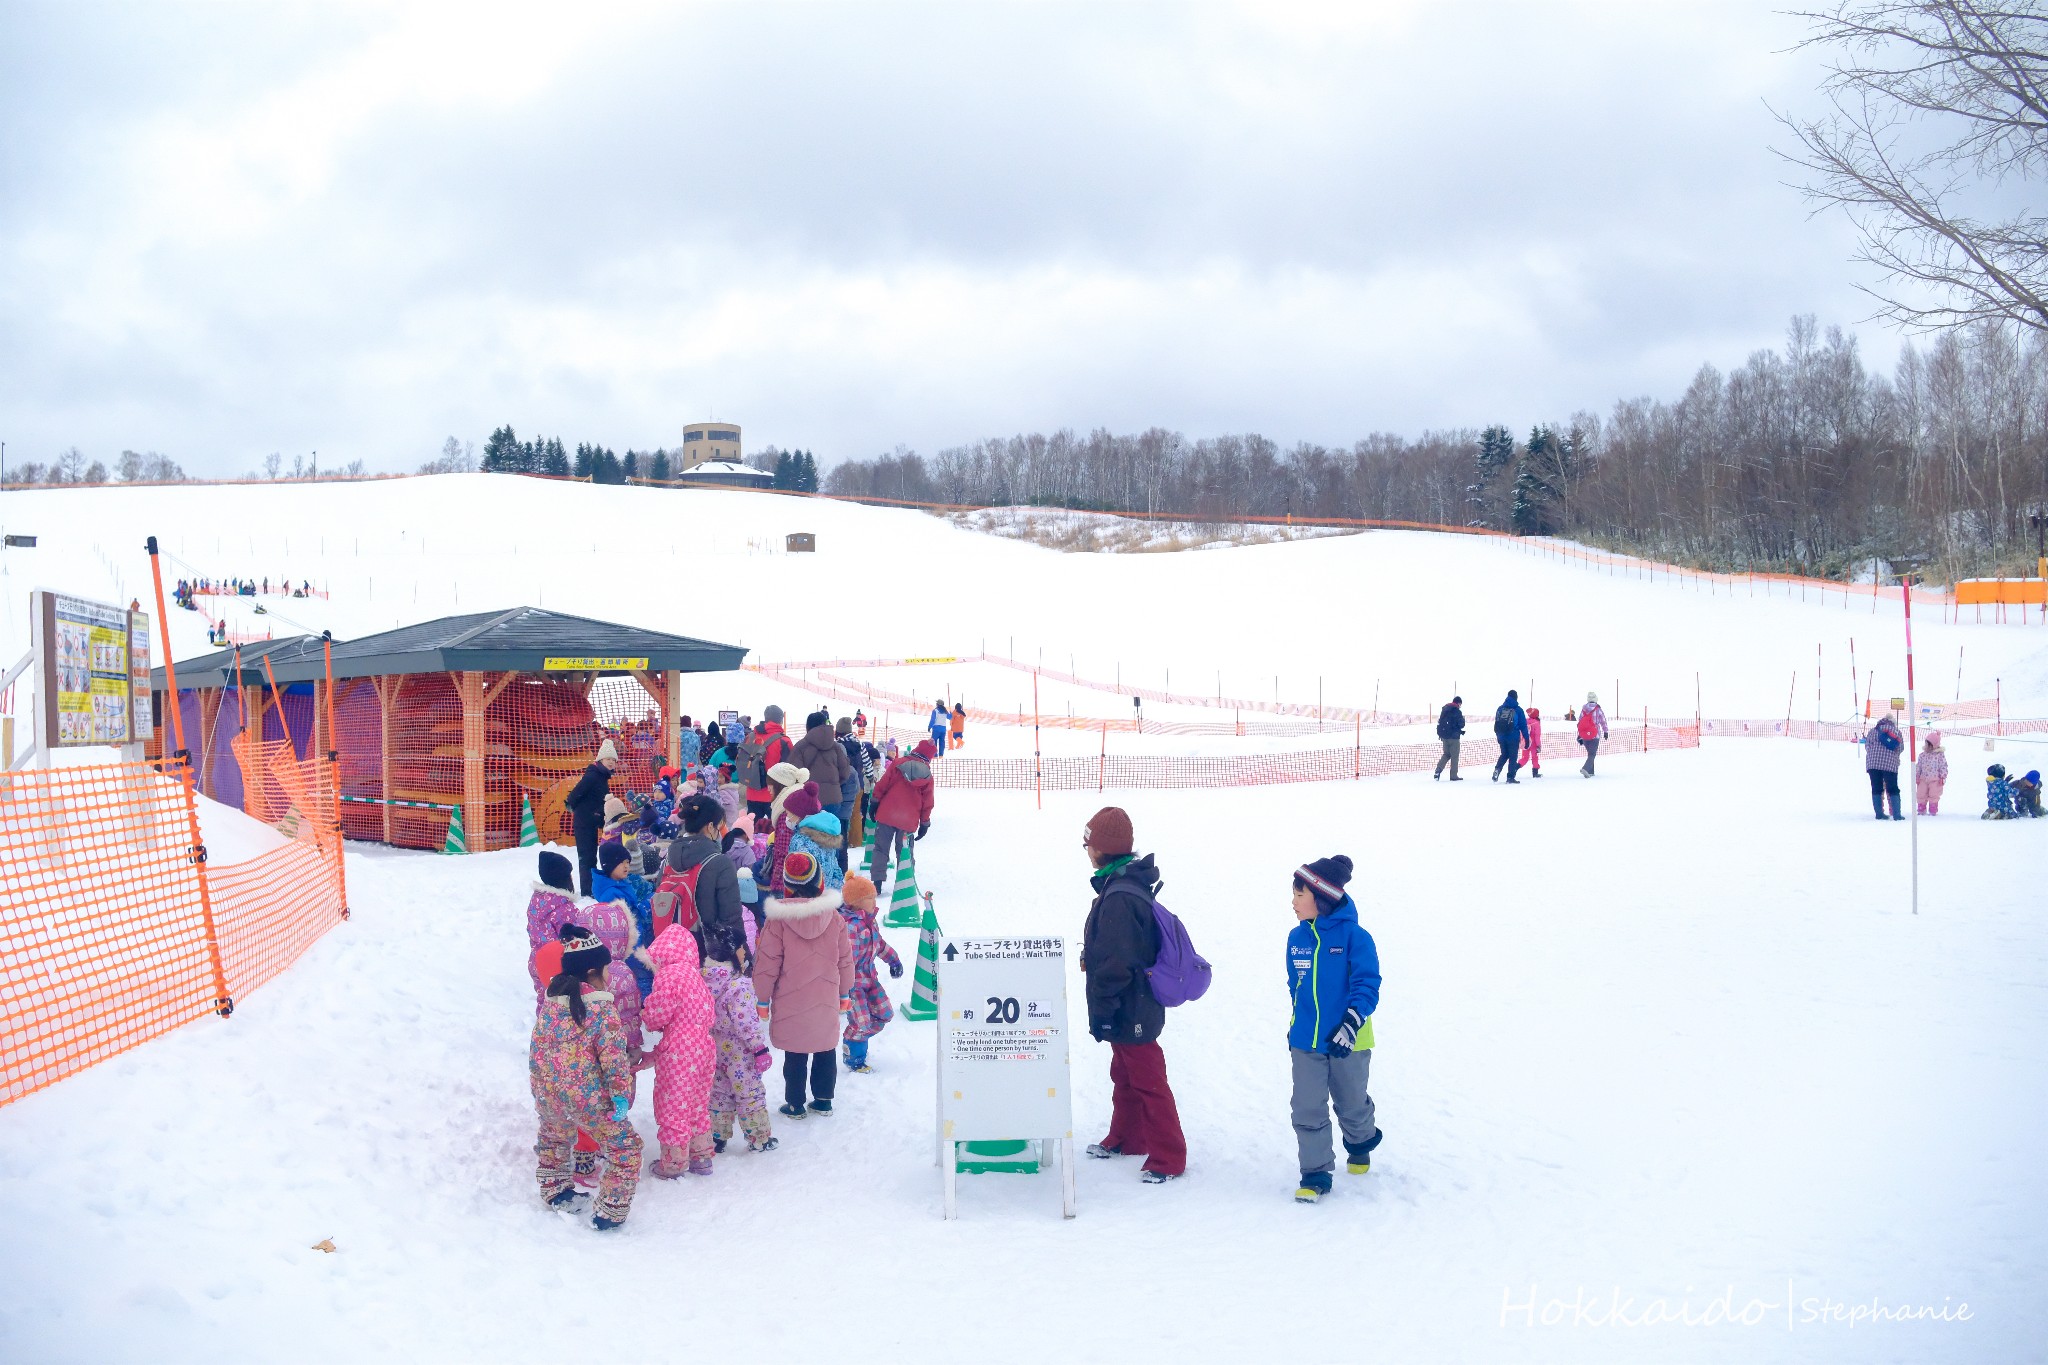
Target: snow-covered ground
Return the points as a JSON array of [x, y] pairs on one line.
[[1665, 1035]]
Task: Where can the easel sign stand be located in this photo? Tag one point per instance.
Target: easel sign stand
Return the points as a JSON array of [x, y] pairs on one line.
[[1003, 1069]]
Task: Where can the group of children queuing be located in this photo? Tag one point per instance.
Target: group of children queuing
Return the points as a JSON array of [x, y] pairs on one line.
[[727, 926], [2006, 798]]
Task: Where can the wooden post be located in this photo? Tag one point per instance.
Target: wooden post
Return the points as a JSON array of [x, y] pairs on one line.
[[387, 696], [675, 709], [470, 687]]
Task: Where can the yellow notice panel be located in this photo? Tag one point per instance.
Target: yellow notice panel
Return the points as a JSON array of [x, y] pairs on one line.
[[587, 665]]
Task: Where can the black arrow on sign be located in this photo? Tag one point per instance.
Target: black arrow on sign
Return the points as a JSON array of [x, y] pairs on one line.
[[951, 952]]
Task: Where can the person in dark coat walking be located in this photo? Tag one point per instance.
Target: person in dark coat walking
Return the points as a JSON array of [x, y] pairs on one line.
[[1450, 728], [1511, 728], [718, 884], [903, 805], [585, 803], [1118, 946], [1881, 749], [820, 754]]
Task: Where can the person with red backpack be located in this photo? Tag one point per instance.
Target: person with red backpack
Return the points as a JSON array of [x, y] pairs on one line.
[[701, 881], [1119, 946], [1592, 729], [760, 751]]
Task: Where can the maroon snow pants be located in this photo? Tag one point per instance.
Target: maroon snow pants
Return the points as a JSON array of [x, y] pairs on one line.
[[1142, 1114]]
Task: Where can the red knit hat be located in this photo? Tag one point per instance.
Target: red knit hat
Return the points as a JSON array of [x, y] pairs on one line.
[[1109, 832]]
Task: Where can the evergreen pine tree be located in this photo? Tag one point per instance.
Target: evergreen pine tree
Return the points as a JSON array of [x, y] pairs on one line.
[[658, 468], [1540, 482], [556, 461], [1496, 458], [630, 470], [608, 467], [501, 452], [806, 473], [581, 469], [785, 471]]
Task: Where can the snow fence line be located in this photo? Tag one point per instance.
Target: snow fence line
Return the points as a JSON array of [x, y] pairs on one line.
[[115, 928]]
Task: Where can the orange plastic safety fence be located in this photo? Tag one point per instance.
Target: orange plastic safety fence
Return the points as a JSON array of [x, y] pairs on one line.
[[104, 935], [1127, 771], [115, 927], [410, 758]]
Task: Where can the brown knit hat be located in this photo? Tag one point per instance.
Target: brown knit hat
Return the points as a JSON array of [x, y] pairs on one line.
[[1109, 832]]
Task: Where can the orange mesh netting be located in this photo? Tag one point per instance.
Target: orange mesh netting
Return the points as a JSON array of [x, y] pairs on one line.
[[114, 926]]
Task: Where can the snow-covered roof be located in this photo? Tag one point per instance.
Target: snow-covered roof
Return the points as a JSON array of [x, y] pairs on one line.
[[726, 468]]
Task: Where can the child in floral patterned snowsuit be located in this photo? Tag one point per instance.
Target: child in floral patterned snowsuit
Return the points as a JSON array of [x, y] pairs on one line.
[[612, 922], [743, 1055], [582, 1077], [871, 1008], [681, 1008]]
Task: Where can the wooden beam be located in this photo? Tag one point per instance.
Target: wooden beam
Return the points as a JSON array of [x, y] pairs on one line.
[[675, 709], [386, 697], [470, 686]]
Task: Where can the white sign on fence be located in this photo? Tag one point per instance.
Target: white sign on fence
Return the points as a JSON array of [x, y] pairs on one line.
[[1003, 1068]]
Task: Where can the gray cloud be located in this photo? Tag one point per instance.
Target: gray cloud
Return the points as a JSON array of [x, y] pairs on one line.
[[232, 230]]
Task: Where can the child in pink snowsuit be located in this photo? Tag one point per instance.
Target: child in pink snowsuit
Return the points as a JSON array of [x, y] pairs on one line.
[[743, 1055], [1930, 775], [681, 1008], [1533, 755], [612, 922]]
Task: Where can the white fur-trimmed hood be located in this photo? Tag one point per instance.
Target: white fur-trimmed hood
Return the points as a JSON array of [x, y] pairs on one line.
[[776, 907]]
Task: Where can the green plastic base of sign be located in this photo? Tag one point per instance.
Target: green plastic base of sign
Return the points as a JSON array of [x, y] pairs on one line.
[[908, 917], [917, 1014], [997, 1158]]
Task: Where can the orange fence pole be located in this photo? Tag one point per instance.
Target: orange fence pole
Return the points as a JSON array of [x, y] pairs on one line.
[[163, 618]]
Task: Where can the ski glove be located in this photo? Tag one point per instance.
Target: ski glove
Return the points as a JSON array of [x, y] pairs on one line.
[[924, 829], [1345, 1036], [763, 1060], [621, 1106], [896, 970]]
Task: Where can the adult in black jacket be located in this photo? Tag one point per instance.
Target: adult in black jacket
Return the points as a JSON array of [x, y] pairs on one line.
[[585, 802], [1450, 728], [718, 885], [1118, 946]]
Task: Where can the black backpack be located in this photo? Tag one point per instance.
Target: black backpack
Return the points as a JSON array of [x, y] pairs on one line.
[[1504, 721], [1446, 725]]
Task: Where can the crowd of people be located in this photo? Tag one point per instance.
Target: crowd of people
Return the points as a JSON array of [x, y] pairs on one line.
[[1519, 734], [715, 920], [189, 588]]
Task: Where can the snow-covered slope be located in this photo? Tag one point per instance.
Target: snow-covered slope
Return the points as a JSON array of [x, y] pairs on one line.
[[1651, 1038], [1416, 614]]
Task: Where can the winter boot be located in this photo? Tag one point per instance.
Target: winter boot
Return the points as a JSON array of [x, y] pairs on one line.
[[822, 1107], [604, 1224], [1358, 1160], [718, 1144], [700, 1165], [571, 1200], [1934, 807], [790, 1111], [766, 1144], [1102, 1153], [1157, 1177], [1314, 1185], [672, 1162]]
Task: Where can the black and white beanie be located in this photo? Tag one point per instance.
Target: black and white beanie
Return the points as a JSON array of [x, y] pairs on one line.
[[1326, 879]]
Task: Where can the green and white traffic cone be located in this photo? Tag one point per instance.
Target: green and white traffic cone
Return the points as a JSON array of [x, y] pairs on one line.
[[528, 834], [456, 842], [867, 857], [903, 912], [924, 980]]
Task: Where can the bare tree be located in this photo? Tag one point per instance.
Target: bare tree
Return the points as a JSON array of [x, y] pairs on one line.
[[273, 464], [69, 468], [131, 466], [1937, 105]]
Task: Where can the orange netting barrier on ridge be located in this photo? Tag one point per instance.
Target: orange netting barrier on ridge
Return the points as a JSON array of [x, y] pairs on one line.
[[114, 926]]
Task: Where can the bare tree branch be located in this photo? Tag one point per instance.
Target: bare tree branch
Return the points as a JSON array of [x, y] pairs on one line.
[[1969, 82]]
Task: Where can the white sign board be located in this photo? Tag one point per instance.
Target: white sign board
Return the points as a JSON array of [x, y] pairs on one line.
[[1003, 1066]]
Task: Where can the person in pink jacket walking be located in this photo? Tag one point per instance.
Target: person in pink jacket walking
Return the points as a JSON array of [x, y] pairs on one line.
[[683, 1060], [743, 1056], [804, 982], [1532, 753], [1930, 774]]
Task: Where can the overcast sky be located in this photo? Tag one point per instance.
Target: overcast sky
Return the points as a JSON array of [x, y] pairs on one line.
[[229, 230]]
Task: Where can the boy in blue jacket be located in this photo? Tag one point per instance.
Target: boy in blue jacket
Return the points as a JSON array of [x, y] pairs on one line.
[[1333, 974]]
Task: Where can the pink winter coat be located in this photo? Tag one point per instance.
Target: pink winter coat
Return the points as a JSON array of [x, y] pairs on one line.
[[1930, 774], [547, 910], [805, 970], [681, 1007]]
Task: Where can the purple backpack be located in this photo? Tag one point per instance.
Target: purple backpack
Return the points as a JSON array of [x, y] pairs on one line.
[[1179, 974]]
